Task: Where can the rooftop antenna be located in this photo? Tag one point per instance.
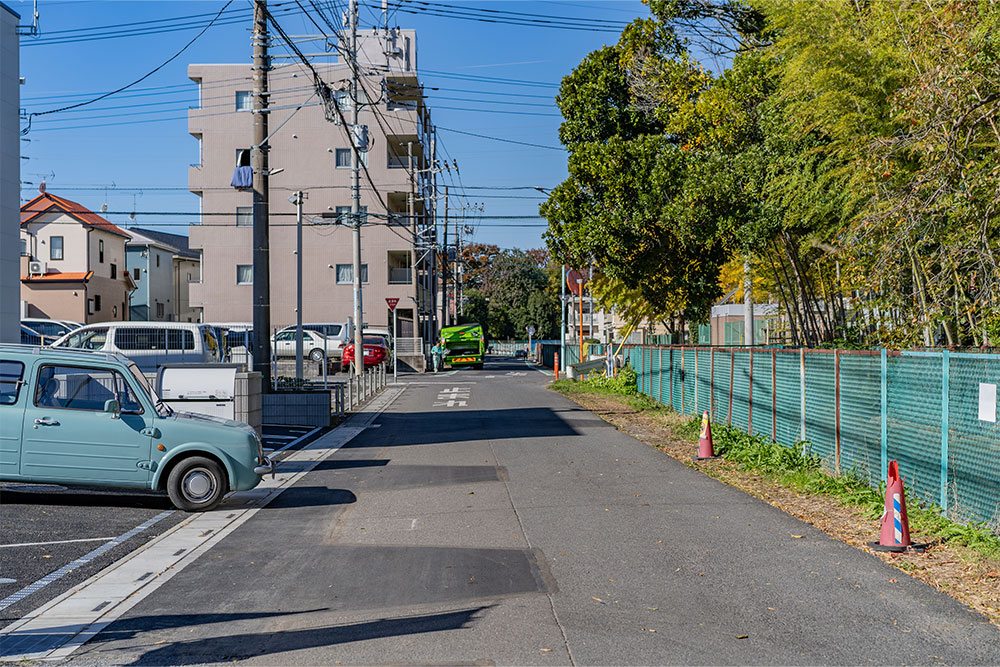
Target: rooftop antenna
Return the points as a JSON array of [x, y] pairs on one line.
[[30, 30]]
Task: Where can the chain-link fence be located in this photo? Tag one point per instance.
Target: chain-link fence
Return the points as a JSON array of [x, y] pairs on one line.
[[934, 412]]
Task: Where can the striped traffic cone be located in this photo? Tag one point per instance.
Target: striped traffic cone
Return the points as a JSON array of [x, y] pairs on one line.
[[705, 449], [895, 533]]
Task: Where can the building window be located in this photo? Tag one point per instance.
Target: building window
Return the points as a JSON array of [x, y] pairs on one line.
[[97, 302], [157, 260], [244, 100], [243, 157], [90, 306], [114, 271], [24, 247], [244, 216], [56, 247], [137, 274], [100, 252], [159, 309], [244, 274], [343, 158], [345, 274]]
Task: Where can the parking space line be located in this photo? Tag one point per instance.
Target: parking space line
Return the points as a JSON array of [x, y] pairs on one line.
[[297, 440], [80, 562], [45, 544]]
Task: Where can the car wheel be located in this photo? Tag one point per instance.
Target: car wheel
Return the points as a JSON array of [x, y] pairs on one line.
[[316, 355], [196, 484]]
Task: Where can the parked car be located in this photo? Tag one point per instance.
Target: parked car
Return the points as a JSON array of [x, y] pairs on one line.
[[375, 352], [150, 344], [69, 416], [50, 328], [313, 342], [31, 337], [338, 332]]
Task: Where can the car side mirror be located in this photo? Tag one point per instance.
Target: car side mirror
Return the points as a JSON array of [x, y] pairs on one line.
[[113, 407]]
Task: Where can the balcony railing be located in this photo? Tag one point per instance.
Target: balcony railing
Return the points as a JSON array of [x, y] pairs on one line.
[[400, 276]]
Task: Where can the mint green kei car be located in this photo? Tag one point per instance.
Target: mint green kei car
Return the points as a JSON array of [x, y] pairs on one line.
[[76, 417]]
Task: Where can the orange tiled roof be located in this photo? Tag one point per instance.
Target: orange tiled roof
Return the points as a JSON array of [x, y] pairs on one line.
[[60, 277], [46, 201]]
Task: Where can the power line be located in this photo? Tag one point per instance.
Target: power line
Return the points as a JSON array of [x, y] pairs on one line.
[[139, 80]]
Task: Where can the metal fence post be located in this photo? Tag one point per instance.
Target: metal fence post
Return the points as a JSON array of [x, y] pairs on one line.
[[682, 380], [885, 413], [659, 361], [711, 385], [945, 387], [750, 397], [732, 373], [802, 399], [836, 408]]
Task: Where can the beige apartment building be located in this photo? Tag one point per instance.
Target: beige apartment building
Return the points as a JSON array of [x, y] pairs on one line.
[[72, 262], [312, 154]]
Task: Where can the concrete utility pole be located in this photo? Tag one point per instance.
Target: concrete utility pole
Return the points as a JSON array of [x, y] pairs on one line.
[[359, 348], [446, 319], [261, 231], [411, 208], [432, 325], [298, 197], [747, 304]]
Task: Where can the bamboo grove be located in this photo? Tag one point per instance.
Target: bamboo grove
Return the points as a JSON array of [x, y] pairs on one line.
[[846, 151]]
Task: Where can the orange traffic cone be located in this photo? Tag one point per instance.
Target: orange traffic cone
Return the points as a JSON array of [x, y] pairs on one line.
[[705, 450], [895, 533]]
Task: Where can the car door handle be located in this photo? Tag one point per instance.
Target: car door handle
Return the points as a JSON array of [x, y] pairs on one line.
[[45, 421]]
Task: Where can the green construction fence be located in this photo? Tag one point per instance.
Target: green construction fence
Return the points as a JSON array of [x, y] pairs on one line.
[[933, 412]]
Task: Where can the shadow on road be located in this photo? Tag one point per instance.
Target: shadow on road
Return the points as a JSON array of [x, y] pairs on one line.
[[82, 497], [248, 645], [438, 427]]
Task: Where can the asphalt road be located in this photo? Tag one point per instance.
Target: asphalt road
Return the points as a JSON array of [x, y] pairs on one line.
[[54, 537], [488, 520]]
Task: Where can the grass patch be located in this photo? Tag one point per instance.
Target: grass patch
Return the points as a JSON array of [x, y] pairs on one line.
[[799, 469], [622, 386]]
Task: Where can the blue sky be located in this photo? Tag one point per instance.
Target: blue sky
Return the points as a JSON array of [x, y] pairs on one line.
[[99, 153]]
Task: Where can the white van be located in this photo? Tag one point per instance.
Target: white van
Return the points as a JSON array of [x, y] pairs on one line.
[[150, 344]]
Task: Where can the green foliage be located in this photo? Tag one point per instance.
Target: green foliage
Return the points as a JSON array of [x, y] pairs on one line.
[[624, 383], [755, 452], [508, 290], [853, 152]]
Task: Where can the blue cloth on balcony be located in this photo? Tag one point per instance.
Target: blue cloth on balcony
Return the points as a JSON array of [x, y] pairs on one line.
[[242, 178]]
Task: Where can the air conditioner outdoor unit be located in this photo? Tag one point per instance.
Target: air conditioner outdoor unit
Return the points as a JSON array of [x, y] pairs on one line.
[[36, 268]]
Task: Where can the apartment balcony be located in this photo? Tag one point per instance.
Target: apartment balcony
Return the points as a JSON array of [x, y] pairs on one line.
[[400, 276]]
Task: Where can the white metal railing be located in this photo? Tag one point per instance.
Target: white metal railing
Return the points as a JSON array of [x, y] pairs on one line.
[[409, 346], [400, 276]]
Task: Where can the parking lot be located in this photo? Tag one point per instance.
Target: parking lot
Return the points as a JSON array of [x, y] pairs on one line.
[[54, 537]]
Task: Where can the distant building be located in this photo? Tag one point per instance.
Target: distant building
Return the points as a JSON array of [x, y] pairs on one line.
[[72, 262], [314, 155], [162, 267], [10, 174]]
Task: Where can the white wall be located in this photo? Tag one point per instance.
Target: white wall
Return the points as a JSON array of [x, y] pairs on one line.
[[10, 178]]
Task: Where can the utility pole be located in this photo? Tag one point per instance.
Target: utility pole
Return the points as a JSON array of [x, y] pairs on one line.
[[432, 282], [562, 318], [298, 197], [747, 304], [261, 231], [411, 204], [359, 348], [446, 319]]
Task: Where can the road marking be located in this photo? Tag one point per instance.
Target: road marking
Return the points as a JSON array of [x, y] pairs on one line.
[[515, 373], [451, 404], [56, 629], [413, 524], [539, 369], [489, 377], [5, 580], [297, 440], [79, 562], [45, 544]]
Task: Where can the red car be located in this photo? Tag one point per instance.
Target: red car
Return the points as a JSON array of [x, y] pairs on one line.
[[375, 352]]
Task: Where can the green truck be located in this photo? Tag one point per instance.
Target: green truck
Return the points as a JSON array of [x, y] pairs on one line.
[[464, 345]]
